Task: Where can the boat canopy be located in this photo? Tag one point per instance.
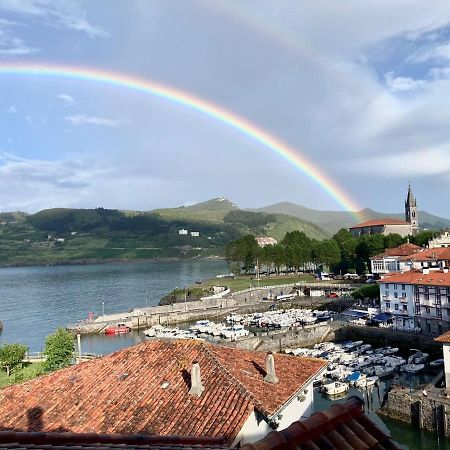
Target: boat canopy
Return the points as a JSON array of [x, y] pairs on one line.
[[382, 317], [354, 313]]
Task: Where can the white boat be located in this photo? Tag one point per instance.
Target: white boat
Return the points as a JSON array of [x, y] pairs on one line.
[[437, 363], [234, 332], [364, 348], [153, 331], [418, 357], [366, 382], [413, 368], [335, 388]]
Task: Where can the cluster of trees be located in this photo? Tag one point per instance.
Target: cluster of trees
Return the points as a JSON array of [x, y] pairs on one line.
[[296, 252], [59, 348]]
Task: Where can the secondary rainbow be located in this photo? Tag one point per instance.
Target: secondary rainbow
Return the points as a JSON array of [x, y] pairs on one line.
[[192, 102]]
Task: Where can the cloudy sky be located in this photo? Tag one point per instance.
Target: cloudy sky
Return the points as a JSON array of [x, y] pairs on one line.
[[361, 89]]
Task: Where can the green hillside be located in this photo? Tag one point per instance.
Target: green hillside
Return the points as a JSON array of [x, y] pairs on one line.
[[64, 235]]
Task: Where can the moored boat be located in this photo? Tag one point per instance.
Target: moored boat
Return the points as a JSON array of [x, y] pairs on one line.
[[120, 328], [335, 388]]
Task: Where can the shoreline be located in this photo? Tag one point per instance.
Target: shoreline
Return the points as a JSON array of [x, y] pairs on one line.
[[87, 262]]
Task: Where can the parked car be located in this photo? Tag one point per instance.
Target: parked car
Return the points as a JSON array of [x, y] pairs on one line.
[[332, 295]]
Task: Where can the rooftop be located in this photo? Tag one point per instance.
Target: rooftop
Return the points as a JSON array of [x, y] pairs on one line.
[[430, 254], [402, 250], [416, 277], [342, 426], [380, 222], [444, 338], [145, 389]]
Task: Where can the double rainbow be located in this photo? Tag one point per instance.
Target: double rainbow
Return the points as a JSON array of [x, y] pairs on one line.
[[192, 102]]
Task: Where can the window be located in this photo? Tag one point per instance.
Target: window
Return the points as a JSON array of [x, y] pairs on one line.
[[417, 310], [405, 308], [395, 286], [396, 306], [388, 305], [439, 313], [386, 286], [427, 309], [395, 294], [403, 287]]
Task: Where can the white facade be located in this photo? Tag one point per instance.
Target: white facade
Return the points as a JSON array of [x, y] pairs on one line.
[[386, 264], [446, 351], [195, 233], [398, 300], [183, 232], [299, 407], [443, 240]]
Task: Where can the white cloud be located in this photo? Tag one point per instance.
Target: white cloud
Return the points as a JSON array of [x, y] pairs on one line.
[[401, 84], [419, 163], [66, 98], [436, 53], [83, 119], [12, 109], [66, 14]]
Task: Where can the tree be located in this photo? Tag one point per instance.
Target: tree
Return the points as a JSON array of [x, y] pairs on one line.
[[371, 291], [11, 356], [59, 348]]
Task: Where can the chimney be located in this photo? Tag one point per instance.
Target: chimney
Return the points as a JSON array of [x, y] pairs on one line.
[[196, 380], [425, 270], [270, 370], [445, 270]]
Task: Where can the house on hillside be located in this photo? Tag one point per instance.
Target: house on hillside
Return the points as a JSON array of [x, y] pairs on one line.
[[181, 388], [262, 241]]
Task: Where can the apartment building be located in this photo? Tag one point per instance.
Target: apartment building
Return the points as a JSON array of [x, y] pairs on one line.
[[418, 299], [389, 260]]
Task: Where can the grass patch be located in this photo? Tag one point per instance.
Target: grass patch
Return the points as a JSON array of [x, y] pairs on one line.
[[27, 372]]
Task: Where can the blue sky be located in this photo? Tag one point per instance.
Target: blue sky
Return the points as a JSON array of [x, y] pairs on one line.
[[360, 88]]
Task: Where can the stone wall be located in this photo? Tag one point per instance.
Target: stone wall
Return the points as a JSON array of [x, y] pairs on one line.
[[429, 413]]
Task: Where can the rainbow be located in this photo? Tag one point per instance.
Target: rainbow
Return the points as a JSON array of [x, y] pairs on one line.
[[195, 103]]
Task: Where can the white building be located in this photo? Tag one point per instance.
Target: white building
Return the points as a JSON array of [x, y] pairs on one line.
[[417, 299], [389, 260], [432, 258], [195, 233], [445, 340], [443, 240], [265, 240], [183, 232]]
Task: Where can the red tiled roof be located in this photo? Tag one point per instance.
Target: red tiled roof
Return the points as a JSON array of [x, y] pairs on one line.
[[36, 440], [402, 250], [444, 338], [342, 426], [380, 222], [416, 277], [124, 393], [430, 254]]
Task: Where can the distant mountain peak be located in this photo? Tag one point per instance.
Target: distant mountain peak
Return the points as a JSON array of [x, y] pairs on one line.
[[218, 203]]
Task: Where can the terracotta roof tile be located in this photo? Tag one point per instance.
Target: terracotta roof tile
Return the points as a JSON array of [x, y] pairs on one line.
[[430, 254], [380, 222], [342, 426], [416, 277], [123, 393], [402, 250], [445, 338]]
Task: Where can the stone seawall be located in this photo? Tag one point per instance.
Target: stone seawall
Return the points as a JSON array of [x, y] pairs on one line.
[[430, 413]]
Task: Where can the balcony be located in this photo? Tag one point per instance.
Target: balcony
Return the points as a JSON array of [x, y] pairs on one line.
[[404, 299]]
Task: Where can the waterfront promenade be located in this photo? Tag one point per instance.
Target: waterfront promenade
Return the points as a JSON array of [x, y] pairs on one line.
[[215, 307]]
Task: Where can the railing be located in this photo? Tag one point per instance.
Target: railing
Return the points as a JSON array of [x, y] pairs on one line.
[[40, 356]]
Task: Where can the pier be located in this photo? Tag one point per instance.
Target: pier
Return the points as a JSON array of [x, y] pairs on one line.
[[254, 299]]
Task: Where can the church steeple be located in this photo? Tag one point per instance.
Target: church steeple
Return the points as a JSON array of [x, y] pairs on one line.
[[411, 211]]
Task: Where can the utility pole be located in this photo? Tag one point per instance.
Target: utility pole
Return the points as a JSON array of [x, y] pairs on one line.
[[103, 308], [146, 299], [185, 300], [79, 347]]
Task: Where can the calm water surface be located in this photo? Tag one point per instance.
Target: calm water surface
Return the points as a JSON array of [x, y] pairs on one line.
[[34, 301]]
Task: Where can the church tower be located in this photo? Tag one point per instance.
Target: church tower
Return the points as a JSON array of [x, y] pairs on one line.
[[411, 211]]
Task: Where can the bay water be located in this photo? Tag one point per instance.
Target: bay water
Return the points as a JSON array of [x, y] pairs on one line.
[[34, 301]]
